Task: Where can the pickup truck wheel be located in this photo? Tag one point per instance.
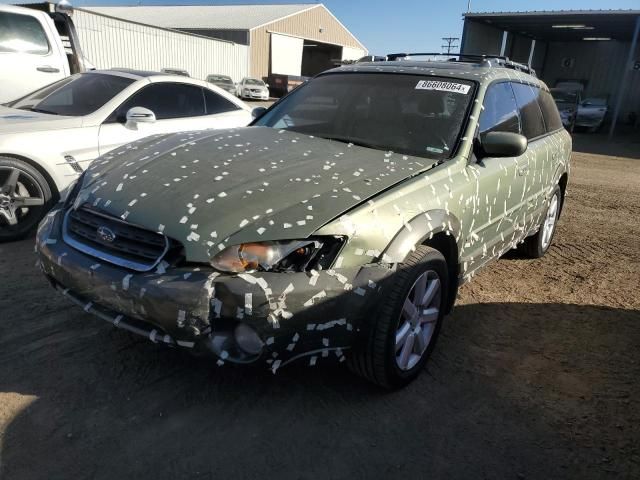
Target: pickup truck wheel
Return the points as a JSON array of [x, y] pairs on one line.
[[537, 245], [402, 335], [25, 196]]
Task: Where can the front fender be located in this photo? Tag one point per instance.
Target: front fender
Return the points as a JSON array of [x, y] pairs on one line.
[[418, 230]]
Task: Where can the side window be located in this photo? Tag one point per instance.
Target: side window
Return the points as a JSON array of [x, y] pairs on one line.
[[500, 112], [550, 112], [217, 104], [166, 100], [22, 34], [530, 113]]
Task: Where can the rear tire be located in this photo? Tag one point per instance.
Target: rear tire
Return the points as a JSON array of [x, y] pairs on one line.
[[537, 245], [25, 197], [383, 357]]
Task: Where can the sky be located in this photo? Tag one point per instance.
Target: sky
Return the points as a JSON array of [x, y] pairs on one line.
[[388, 26]]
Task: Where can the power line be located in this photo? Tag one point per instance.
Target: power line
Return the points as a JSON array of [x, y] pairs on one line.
[[450, 44]]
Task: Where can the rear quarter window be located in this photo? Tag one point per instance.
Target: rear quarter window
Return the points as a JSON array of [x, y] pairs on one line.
[[550, 113], [217, 104]]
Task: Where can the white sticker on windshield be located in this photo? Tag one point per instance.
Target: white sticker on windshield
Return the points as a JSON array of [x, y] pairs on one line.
[[443, 86]]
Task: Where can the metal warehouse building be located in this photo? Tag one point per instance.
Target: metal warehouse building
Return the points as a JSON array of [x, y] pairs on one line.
[[598, 48], [109, 42], [289, 39]]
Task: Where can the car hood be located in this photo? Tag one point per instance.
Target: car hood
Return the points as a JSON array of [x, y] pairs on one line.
[[218, 188], [13, 120]]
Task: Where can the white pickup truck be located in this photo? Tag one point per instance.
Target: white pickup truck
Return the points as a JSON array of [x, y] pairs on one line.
[[38, 46]]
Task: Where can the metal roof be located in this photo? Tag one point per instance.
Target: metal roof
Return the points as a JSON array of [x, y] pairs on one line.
[[562, 25], [223, 17]]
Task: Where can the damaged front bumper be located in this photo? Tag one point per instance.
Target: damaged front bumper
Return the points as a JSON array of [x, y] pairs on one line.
[[290, 315]]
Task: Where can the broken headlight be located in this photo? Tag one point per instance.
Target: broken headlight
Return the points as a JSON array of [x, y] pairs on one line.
[[283, 256], [73, 189]]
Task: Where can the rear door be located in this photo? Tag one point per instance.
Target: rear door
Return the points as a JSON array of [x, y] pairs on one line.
[[533, 167], [31, 55]]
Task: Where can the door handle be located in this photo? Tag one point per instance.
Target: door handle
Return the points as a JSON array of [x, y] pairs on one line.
[[47, 69]]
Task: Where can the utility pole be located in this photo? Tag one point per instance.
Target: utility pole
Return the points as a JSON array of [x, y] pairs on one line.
[[450, 44]]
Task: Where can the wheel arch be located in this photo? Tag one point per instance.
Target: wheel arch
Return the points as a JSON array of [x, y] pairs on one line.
[[562, 183], [437, 229], [45, 173]]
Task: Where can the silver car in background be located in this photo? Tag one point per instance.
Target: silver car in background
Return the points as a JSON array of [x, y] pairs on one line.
[[253, 88], [591, 113], [567, 103], [224, 82]]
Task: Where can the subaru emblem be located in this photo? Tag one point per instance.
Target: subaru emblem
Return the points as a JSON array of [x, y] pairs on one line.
[[106, 234]]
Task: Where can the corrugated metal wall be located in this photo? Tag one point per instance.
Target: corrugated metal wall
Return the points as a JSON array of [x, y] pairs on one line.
[[305, 25], [109, 42], [478, 38], [600, 64]]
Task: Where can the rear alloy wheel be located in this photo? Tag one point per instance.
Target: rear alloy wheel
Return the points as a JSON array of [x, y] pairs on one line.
[[25, 196], [537, 245], [400, 338]]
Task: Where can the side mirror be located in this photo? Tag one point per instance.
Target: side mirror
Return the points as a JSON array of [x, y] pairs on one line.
[[266, 85], [503, 144], [258, 112], [136, 115]]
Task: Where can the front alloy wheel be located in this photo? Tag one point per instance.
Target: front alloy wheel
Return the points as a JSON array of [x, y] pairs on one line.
[[420, 313], [24, 198], [397, 342]]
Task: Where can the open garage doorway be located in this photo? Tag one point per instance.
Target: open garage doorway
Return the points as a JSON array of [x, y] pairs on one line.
[[318, 57]]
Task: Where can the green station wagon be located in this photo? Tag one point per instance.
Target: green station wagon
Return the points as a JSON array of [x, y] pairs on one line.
[[338, 226]]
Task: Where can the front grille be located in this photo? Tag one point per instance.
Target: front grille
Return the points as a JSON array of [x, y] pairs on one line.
[[132, 247]]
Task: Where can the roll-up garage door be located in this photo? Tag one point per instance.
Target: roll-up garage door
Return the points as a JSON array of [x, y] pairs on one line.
[[286, 54]]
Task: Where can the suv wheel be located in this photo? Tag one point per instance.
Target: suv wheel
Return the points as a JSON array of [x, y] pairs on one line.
[[25, 196], [537, 245], [404, 332]]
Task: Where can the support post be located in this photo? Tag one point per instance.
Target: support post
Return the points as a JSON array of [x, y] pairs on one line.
[[503, 48], [625, 76], [531, 51]]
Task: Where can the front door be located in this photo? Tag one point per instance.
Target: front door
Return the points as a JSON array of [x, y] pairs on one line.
[[498, 183]]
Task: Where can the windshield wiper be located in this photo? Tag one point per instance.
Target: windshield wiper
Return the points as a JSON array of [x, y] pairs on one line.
[[40, 110], [353, 141]]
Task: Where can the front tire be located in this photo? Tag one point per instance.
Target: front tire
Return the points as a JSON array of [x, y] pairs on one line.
[[403, 334], [537, 245], [25, 197]]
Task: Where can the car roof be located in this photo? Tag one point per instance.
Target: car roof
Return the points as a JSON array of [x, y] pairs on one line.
[[127, 72], [463, 70]]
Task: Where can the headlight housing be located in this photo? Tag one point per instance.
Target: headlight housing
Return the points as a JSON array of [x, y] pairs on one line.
[[74, 189], [279, 256]]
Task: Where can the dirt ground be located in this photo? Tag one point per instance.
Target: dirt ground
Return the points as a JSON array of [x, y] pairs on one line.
[[535, 376]]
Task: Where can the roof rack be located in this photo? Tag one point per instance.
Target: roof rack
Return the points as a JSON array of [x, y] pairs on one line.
[[482, 59]]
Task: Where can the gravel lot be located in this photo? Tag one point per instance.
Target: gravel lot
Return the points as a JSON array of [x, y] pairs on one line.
[[535, 376]]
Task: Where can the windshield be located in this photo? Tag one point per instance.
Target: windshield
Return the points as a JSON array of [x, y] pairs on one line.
[[410, 114], [594, 102], [219, 79], [253, 81], [74, 96], [564, 97]]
